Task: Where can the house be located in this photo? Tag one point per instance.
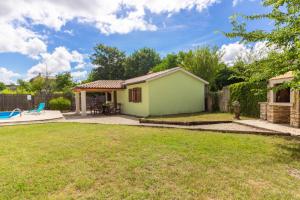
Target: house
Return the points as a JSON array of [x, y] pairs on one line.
[[172, 91], [50, 78], [282, 106]]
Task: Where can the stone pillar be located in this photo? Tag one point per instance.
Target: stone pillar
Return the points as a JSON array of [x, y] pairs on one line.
[[263, 110], [295, 109], [83, 103], [115, 100], [77, 102]]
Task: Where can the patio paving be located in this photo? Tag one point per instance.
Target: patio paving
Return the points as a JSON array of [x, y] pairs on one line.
[[29, 118], [262, 124], [243, 126], [101, 119], [128, 120]]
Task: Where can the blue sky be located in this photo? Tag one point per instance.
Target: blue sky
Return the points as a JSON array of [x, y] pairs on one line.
[[62, 39]]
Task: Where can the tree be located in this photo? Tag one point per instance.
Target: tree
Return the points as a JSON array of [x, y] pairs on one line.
[[38, 84], [109, 62], [168, 62], [285, 36], [24, 86], [140, 62], [63, 82], [203, 62], [226, 76], [2, 86]]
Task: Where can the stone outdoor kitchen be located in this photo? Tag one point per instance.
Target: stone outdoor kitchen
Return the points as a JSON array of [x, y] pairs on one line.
[[282, 106]]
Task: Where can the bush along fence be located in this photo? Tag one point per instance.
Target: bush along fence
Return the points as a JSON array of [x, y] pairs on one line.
[[243, 92], [248, 97]]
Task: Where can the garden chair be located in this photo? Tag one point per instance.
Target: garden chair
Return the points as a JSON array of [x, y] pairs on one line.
[[39, 109]]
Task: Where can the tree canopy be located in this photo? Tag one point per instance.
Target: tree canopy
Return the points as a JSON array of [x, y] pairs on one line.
[[140, 62], [168, 62], [284, 36], [109, 62], [203, 62], [2, 86], [63, 82]]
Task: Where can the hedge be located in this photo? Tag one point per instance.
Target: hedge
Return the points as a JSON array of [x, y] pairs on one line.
[[246, 93], [60, 103]]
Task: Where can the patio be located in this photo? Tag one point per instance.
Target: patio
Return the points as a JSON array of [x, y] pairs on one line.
[[26, 118], [262, 124], [133, 121]]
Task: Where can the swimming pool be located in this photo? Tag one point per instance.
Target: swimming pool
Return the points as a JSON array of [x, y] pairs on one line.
[[7, 115]]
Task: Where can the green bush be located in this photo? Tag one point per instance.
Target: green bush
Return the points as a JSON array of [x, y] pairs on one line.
[[60, 103], [246, 93]]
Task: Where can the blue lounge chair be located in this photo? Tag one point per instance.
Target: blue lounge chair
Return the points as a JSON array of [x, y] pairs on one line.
[[39, 109]]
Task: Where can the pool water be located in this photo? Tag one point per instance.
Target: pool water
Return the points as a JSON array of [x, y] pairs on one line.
[[6, 115]]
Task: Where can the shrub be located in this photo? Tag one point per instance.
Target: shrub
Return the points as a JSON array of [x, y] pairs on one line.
[[246, 93], [60, 103]]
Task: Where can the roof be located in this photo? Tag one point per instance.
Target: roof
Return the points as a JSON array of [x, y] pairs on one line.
[[118, 84], [155, 75], [140, 79], [43, 76], [103, 84], [284, 76]]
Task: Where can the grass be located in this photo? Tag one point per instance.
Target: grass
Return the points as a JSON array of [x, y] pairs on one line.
[[197, 117], [84, 161]]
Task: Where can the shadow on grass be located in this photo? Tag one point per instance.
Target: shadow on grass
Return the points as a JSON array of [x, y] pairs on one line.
[[290, 151]]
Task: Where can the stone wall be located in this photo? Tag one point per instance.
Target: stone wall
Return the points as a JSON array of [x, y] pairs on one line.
[[263, 110], [295, 109], [278, 113]]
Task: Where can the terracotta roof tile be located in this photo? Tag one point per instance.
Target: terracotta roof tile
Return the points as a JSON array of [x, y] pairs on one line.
[[103, 84]]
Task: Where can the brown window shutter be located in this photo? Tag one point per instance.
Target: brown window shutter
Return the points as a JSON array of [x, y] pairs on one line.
[[130, 95], [139, 94], [134, 95]]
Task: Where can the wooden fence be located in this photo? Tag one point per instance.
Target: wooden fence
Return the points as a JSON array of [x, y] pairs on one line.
[[12, 101], [8, 102], [218, 101]]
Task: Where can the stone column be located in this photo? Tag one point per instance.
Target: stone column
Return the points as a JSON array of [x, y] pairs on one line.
[[77, 102], [295, 109], [83, 103]]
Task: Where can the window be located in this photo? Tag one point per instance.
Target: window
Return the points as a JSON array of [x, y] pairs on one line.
[[135, 95]]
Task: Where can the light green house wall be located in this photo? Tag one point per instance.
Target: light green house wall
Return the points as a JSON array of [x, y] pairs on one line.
[[175, 93], [130, 108]]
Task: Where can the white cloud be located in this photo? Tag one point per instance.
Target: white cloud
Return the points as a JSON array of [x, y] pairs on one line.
[[7, 76], [15, 38], [237, 51], [17, 17], [115, 16], [59, 61], [79, 75], [69, 32], [236, 2]]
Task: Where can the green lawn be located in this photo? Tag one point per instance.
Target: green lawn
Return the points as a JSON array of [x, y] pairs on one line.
[[197, 117], [84, 161]]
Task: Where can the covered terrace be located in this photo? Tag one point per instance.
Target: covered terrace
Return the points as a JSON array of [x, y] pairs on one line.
[[107, 87]]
